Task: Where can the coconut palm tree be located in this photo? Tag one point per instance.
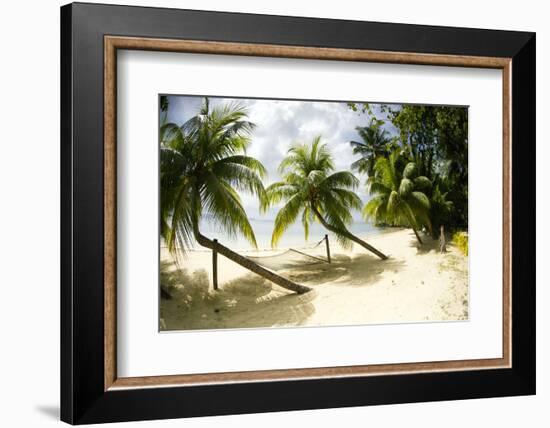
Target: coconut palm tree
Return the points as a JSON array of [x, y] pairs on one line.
[[398, 197], [203, 165], [441, 207], [375, 143], [312, 190]]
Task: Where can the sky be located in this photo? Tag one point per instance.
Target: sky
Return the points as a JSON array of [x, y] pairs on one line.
[[282, 123]]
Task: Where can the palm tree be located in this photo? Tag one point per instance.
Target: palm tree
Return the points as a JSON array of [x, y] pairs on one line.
[[398, 199], [375, 143], [311, 189], [441, 208], [203, 165]]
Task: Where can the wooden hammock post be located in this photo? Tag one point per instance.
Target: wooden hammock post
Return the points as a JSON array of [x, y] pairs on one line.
[[328, 248], [249, 264], [215, 264]]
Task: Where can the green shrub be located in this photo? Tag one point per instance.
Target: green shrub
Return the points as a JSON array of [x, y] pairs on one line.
[[460, 239]]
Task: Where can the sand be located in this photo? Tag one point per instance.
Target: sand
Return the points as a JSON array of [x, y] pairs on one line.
[[416, 284]]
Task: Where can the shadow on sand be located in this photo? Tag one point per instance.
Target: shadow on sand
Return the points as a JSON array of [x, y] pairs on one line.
[[361, 270], [244, 302], [251, 301], [428, 245]]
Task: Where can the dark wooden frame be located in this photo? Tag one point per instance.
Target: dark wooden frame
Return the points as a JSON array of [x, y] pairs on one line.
[[89, 389], [114, 43]]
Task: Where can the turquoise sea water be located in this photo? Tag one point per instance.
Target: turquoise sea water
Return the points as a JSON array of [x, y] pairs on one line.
[[293, 237]]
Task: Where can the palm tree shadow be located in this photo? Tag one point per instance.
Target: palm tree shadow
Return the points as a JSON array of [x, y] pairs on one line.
[[428, 245], [253, 302], [361, 270], [246, 302], [178, 284]]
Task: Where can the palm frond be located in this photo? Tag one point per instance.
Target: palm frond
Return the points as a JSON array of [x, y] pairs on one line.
[[203, 165], [341, 179], [405, 187], [422, 183], [222, 201], [398, 193], [410, 170], [348, 198], [286, 216], [309, 184], [277, 192]]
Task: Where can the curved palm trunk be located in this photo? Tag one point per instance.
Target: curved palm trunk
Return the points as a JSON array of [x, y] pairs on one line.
[[349, 235], [417, 236], [250, 265]]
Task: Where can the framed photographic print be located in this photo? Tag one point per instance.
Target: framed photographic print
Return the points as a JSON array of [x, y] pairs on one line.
[[264, 213]]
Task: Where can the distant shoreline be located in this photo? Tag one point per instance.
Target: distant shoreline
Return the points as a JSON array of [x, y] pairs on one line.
[[313, 241], [292, 238]]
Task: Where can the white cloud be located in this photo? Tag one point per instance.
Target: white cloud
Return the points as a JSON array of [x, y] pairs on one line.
[[281, 123]]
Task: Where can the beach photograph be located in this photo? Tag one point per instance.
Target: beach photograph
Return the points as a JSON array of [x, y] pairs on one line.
[[280, 213]]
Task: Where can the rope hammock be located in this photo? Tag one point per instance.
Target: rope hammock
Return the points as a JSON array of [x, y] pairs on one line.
[[293, 257], [287, 258]]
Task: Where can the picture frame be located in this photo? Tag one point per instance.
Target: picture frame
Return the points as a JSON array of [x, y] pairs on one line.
[[91, 391]]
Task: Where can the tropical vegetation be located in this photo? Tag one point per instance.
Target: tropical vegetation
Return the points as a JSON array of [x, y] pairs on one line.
[[415, 159], [399, 197], [203, 166], [429, 141], [375, 142], [460, 239], [313, 191]]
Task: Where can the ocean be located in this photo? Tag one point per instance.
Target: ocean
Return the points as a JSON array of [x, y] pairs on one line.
[[292, 238]]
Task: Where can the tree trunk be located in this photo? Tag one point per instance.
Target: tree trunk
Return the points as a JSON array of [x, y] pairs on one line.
[[349, 235], [327, 245], [417, 236], [442, 241], [250, 265], [165, 294]]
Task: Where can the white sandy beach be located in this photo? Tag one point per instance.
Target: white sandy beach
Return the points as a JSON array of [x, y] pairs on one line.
[[415, 284]]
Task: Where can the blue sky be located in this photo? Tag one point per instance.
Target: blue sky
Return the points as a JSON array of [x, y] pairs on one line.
[[281, 123]]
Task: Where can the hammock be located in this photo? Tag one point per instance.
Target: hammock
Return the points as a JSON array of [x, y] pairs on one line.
[[293, 257], [289, 258]]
